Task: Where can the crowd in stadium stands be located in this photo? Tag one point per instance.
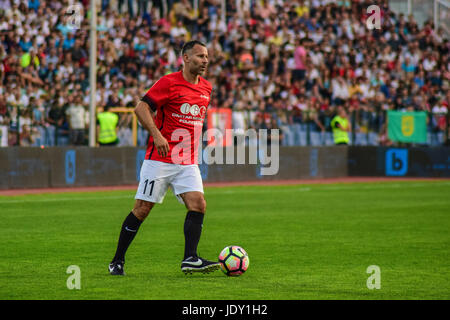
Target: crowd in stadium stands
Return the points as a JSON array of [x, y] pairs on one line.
[[275, 64]]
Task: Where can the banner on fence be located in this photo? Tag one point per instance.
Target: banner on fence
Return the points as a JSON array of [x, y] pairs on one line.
[[407, 126]]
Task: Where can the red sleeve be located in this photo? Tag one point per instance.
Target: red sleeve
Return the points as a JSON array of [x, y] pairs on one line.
[[158, 95]]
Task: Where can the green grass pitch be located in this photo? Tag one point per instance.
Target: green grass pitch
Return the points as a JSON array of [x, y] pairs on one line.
[[304, 242]]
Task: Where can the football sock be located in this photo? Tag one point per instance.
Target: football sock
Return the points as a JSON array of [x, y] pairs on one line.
[[129, 229], [193, 225]]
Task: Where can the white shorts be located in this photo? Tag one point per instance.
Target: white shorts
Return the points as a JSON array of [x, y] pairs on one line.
[[156, 177]]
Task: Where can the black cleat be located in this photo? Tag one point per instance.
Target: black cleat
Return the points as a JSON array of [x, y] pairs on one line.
[[197, 264], [116, 268]]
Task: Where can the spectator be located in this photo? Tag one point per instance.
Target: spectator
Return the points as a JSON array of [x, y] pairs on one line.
[[107, 127], [55, 119], [38, 121], [341, 127], [26, 133], [4, 122], [124, 133], [76, 115], [282, 50], [273, 125], [300, 55], [340, 91], [439, 122]]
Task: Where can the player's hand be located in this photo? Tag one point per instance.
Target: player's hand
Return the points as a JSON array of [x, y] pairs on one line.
[[161, 144]]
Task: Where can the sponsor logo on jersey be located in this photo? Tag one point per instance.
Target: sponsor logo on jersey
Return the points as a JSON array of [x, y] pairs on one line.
[[194, 110]]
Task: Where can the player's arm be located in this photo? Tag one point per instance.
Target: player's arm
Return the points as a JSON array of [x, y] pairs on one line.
[[145, 117]]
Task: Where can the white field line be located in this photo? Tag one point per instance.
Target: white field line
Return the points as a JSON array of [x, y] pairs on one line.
[[245, 191], [66, 199], [331, 187]]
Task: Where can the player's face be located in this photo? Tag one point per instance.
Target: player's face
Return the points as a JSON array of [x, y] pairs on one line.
[[196, 60]]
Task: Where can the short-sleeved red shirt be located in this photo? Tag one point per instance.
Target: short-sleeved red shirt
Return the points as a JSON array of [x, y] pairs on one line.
[[180, 110]]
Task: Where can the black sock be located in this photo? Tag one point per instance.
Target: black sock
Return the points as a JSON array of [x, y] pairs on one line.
[[129, 229], [192, 231]]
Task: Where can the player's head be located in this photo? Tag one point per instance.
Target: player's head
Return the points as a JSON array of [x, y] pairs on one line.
[[195, 57]]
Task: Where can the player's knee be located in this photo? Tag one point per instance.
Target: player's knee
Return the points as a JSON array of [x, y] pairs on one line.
[[198, 204], [141, 213], [142, 209], [202, 205]]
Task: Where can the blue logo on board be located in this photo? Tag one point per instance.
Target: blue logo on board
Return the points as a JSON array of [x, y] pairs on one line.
[[396, 162], [313, 162], [70, 166], [140, 157]]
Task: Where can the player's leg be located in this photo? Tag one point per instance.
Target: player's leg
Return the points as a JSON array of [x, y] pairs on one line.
[[130, 227], [193, 224], [188, 187], [152, 188]]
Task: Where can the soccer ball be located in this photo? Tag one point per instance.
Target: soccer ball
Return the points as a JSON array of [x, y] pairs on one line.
[[233, 261]]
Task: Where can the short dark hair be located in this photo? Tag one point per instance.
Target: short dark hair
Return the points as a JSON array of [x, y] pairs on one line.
[[190, 44]]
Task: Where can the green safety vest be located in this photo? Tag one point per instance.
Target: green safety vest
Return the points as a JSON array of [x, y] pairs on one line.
[[339, 135], [108, 122]]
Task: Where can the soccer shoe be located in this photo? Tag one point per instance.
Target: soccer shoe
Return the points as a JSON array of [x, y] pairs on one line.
[[116, 268], [197, 264]]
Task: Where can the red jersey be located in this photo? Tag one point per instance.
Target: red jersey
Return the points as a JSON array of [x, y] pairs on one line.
[[180, 111]]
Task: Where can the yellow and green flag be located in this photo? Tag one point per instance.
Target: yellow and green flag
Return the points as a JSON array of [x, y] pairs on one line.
[[407, 126]]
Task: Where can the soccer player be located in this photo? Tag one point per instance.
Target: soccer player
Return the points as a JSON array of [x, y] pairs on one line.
[[180, 100]]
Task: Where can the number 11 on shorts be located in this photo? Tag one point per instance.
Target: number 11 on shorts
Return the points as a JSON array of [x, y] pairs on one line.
[[152, 183]]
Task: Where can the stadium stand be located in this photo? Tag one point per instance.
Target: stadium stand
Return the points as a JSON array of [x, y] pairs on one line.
[[275, 64]]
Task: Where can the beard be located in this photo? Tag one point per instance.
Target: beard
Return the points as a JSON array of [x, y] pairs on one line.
[[200, 70]]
